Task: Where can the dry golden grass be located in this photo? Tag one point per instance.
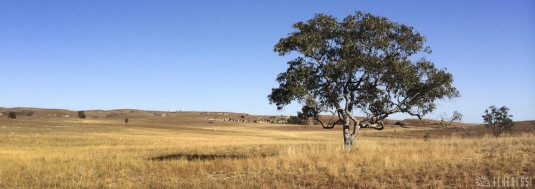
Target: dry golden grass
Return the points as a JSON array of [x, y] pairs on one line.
[[185, 151]]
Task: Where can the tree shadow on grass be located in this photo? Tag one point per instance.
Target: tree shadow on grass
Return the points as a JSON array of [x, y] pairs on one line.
[[202, 157]]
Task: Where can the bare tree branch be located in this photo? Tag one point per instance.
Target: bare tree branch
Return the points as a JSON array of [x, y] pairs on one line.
[[328, 127]]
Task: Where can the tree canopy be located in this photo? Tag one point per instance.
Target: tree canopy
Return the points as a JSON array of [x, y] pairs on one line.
[[498, 120], [363, 62]]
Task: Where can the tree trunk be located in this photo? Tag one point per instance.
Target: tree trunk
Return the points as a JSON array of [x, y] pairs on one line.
[[348, 141]]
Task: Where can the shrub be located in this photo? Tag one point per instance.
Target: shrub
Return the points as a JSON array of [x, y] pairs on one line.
[[401, 124], [293, 120], [12, 115], [81, 114], [426, 137]]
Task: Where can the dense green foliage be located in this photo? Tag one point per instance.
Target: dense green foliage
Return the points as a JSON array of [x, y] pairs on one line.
[[12, 115], [363, 61], [81, 114], [498, 120]]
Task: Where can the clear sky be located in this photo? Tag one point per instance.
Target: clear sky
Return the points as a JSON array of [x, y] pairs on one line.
[[218, 55]]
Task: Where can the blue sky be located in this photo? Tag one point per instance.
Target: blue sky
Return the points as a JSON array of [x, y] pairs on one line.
[[218, 55]]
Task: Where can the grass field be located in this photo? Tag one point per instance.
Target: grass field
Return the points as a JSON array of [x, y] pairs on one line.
[[187, 151]]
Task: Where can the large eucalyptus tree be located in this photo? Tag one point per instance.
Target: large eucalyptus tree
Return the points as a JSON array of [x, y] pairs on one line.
[[363, 62]]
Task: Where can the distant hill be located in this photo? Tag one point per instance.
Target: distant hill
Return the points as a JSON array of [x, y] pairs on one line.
[[215, 116], [133, 113]]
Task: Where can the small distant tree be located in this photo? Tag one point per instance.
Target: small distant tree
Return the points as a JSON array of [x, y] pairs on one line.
[[306, 114], [446, 121], [293, 120], [457, 116], [498, 120], [126, 121], [12, 115], [81, 114]]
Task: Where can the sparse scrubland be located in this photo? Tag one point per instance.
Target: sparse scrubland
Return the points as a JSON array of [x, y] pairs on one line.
[[184, 150]]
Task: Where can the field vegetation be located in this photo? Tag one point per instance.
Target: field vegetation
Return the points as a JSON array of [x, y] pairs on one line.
[[185, 150]]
